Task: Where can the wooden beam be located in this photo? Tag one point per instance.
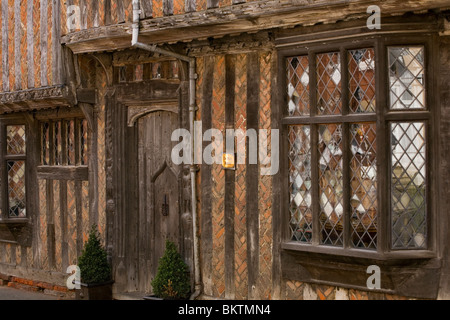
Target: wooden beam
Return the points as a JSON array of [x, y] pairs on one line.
[[78, 173], [246, 17], [206, 179], [17, 51], [5, 44], [230, 179], [56, 44], [44, 41], [146, 7], [88, 111]]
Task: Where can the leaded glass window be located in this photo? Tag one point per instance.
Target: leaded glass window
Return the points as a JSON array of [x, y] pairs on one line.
[[64, 142]]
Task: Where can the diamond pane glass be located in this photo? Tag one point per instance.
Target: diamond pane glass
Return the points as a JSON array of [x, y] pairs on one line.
[[16, 189], [300, 183], [407, 77], [331, 184], [363, 173], [16, 140], [329, 91], [298, 86], [361, 68], [408, 183]]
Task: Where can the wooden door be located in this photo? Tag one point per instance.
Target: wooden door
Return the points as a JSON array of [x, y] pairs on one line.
[[159, 204]]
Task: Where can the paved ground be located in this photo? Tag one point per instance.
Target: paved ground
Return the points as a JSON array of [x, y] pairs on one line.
[[7, 293]]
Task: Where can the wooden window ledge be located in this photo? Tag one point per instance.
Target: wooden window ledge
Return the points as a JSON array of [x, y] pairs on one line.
[[16, 230]]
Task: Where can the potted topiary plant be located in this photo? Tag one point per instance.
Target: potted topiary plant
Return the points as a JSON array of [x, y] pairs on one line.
[[96, 282], [172, 280]]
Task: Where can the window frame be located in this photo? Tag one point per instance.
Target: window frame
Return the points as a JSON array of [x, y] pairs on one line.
[[79, 170], [382, 117], [78, 148]]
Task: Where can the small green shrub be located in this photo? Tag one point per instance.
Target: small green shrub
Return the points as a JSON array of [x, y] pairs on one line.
[[172, 279], [93, 261]]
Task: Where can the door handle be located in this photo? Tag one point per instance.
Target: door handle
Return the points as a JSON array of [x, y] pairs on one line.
[[165, 207]]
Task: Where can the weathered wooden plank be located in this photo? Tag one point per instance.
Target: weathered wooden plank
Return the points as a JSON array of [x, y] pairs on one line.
[[58, 114], [93, 170], [230, 81], [1, 58], [11, 48], [13, 254], [212, 4], [108, 14], [30, 44], [17, 51], [78, 173], [44, 42], [84, 14], [37, 42], [32, 191], [63, 142], [87, 96], [63, 225], [131, 205], [51, 238], [278, 186], [79, 216], [143, 210], [5, 44], [120, 12], [251, 16], [93, 12], [252, 176], [56, 45]]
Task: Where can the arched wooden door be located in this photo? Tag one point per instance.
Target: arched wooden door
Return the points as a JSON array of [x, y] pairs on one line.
[[159, 198]]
